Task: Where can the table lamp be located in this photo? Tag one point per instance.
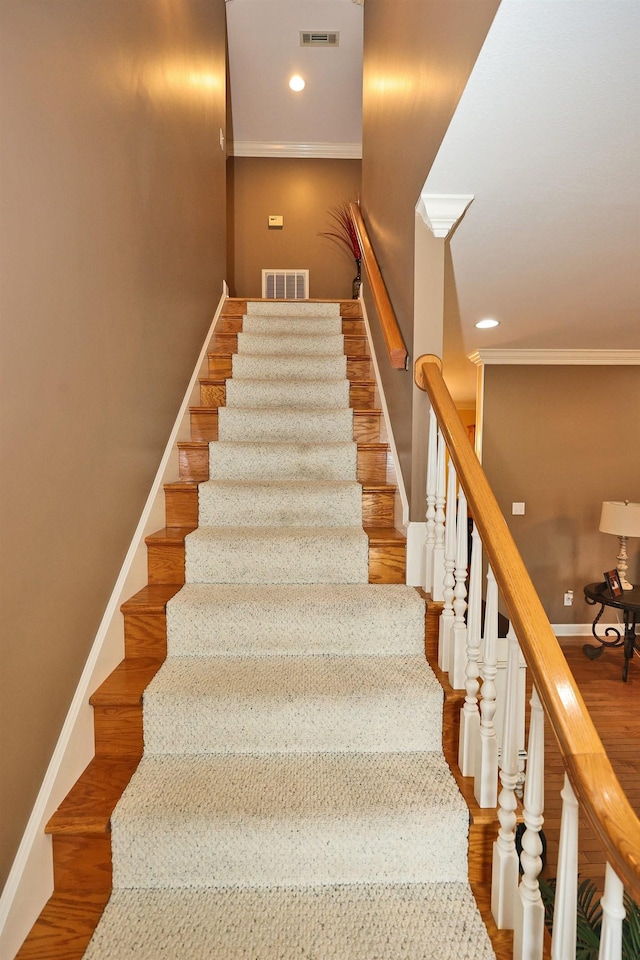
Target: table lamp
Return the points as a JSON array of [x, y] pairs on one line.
[[622, 518]]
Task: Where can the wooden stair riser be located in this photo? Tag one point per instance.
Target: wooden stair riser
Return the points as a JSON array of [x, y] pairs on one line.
[[213, 393], [181, 502], [221, 367], [82, 862], [372, 461], [204, 424], [118, 731], [145, 636], [166, 556]]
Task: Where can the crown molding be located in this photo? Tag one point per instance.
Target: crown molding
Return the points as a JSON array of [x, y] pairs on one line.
[[567, 358], [266, 148], [441, 211]]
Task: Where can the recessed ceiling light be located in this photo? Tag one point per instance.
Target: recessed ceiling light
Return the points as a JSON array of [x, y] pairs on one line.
[[296, 83], [485, 324]]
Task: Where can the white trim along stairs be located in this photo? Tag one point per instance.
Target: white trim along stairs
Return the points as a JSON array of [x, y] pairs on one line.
[[292, 799]]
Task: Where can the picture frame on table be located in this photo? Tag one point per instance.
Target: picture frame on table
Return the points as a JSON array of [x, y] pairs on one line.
[[612, 580]]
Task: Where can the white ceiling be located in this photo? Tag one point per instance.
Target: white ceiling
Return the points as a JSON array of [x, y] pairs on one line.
[[264, 52], [546, 136]]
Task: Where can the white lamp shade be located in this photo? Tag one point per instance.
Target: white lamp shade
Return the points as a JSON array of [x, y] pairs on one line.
[[620, 517]]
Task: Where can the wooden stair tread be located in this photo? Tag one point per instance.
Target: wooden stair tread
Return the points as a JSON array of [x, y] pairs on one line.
[[126, 684], [192, 485], [379, 536], [179, 485], [150, 599], [357, 411], [65, 926], [88, 806], [168, 535]]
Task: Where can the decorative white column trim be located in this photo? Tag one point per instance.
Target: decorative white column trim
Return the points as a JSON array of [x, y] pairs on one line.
[[267, 148], [606, 358], [441, 211]]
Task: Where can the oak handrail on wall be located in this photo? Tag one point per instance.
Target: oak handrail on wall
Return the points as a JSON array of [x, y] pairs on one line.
[[589, 769], [396, 349]]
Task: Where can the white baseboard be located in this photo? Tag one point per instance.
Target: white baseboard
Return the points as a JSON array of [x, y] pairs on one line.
[[30, 881], [574, 629]]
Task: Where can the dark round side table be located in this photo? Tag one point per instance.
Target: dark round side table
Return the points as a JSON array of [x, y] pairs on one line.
[[629, 603]]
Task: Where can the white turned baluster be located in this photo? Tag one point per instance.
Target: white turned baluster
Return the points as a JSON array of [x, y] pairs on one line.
[[504, 879], [486, 773], [566, 901], [438, 546], [529, 913], [458, 641], [432, 470], [446, 617], [469, 740], [613, 913]]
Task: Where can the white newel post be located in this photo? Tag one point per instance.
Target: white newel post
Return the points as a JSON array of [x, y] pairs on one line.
[[432, 470], [458, 641], [613, 913], [446, 617], [469, 739], [504, 878], [528, 934], [438, 546], [486, 773], [566, 900]]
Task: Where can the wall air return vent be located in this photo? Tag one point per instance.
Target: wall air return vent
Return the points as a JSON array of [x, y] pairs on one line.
[[285, 284], [319, 38]]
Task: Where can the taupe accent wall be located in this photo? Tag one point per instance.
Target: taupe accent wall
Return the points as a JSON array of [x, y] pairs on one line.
[[562, 439], [302, 191], [418, 55], [112, 262]]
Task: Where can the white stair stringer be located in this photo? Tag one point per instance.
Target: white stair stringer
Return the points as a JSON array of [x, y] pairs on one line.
[[293, 800]]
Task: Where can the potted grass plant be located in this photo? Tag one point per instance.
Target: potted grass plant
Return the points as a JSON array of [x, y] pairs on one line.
[[343, 232]]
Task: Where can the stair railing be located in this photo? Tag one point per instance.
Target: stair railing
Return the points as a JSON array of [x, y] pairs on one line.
[[398, 356], [492, 725]]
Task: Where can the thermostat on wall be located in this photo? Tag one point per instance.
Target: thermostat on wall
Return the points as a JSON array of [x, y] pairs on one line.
[[276, 221]]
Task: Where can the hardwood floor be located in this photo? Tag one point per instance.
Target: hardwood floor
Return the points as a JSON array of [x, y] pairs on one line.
[[615, 710]]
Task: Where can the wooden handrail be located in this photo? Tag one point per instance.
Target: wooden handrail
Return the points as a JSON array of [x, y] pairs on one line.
[[589, 769], [396, 349]]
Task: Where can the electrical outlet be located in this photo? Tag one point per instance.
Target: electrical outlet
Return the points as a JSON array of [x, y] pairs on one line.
[[568, 598], [517, 509]]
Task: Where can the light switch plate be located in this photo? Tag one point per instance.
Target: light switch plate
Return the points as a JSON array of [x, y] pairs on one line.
[[517, 509]]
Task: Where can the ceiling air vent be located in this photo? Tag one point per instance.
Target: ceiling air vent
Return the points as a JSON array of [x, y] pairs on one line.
[[319, 38]]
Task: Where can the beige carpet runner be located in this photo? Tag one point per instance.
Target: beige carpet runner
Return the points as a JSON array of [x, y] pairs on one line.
[[292, 801]]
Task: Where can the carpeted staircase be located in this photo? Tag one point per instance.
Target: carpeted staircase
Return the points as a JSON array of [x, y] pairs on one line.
[[292, 800]]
